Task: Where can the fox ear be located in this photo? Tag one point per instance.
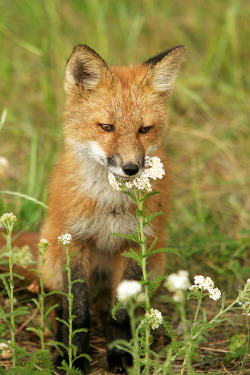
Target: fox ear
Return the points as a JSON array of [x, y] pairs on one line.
[[164, 68], [84, 68]]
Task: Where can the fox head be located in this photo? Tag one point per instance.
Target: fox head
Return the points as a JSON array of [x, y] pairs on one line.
[[115, 116]]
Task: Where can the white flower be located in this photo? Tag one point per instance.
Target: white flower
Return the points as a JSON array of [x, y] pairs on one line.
[[154, 318], [4, 162], [215, 294], [246, 308], [43, 245], [64, 239], [43, 242], [116, 185], [245, 299], [203, 282], [206, 284], [6, 351], [127, 289], [8, 220], [178, 281], [3, 346], [22, 257], [153, 169]]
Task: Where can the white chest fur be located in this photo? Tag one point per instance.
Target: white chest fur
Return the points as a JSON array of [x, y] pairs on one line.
[[113, 209], [112, 214]]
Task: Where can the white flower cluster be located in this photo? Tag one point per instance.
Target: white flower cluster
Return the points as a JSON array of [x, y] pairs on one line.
[[114, 182], [203, 282], [154, 318], [206, 283], [22, 257], [127, 289], [245, 299], [215, 294], [246, 307], [8, 220], [178, 283], [44, 243], [64, 239], [153, 169], [6, 352]]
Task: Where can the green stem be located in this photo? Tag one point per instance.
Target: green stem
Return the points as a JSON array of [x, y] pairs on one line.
[[143, 252], [42, 301], [70, 299], [188, 342], [42, 321], [136, 366], [167, 363], [144, 272], [218, 315], [11, 297], [197, 313]]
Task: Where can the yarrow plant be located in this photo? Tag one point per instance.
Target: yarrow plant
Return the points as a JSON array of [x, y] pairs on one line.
[[130, 295], [43, 245], [71, 349], [138, 189], [204, 286], [42, 356], [8, 220]]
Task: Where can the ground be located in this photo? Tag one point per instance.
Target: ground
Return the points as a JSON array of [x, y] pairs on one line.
[[211, 353]]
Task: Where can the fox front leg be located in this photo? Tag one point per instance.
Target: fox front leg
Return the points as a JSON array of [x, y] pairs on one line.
[[124, 269], [80, 313]]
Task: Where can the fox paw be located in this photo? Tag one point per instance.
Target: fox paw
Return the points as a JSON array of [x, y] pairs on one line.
[[118, 361]]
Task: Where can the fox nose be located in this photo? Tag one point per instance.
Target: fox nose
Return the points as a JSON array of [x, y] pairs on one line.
[[130, 169]]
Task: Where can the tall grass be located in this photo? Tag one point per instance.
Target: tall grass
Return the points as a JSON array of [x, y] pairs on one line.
[[208, 138]]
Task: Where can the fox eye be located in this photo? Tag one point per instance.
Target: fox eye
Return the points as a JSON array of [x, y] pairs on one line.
[[107, 127], [144, 129]]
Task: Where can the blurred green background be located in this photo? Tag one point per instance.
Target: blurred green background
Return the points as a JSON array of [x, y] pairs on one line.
[[208, 141]]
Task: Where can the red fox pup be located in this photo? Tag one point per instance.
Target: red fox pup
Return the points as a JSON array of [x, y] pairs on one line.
[[114, 118]]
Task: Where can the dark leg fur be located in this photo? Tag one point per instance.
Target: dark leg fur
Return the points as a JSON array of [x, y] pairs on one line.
[[120, 328], [81, 320]]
